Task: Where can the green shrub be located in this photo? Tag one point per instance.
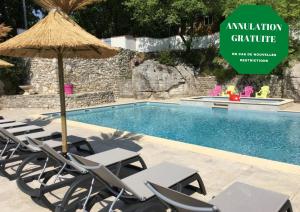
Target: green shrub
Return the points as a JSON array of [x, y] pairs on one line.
[[166, 58], [294, 50], [15, 76], [199, 58], [224, 75]]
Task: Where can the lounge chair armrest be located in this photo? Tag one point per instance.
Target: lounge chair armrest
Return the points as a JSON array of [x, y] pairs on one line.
[[175, 199], [76, 163], [31, 143]]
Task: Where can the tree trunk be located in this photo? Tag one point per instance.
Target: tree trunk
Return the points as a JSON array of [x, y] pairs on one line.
[[187, 43]]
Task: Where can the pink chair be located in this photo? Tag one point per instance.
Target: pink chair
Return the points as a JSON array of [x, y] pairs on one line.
[[248, 91], [216, 91]]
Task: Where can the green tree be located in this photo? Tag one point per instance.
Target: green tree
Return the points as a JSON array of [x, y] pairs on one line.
[[11, 14], [15, 76], [67, 6], [105, 19], [289, 10], [182, 16]]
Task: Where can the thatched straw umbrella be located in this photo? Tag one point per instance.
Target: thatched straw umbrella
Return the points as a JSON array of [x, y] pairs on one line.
[[4, 64], [57, 36]]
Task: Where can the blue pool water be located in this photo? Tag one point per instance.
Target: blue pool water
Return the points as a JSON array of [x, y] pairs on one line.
[[269, 135]]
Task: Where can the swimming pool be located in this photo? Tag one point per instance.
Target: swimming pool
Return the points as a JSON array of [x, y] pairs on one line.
[[270, 135]]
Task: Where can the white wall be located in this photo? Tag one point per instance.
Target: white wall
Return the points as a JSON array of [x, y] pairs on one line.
[[206, 41], [130, 43], [119, 42], [146, 44]]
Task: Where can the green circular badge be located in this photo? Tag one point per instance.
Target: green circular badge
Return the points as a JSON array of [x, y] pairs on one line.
[[254, 39]]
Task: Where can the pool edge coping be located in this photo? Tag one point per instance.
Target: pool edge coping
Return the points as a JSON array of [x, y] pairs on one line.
[[284, 100]]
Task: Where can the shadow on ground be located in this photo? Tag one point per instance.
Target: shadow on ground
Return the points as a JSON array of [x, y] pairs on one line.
[[119, 139], [154, 205], [103, 141], [42, 122]]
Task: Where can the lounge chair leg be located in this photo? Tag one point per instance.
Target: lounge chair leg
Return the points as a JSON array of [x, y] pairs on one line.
[[167, 206], [87, 144], [201, 184], [143, 164], [187, 184], [139, 159], [29, 159], [103, 194], [287, 207], [179, 187], [90, 148], [5, 162], [119, 166], [25, 177], [82, 182]]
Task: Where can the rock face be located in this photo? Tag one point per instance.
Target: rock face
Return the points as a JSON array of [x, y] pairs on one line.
[[292, 82], [152, 79]]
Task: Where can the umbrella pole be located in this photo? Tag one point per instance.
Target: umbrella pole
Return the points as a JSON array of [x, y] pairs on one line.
[[62, 102]]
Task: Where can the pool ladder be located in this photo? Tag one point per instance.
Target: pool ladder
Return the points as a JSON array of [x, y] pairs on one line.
[[220, 106]]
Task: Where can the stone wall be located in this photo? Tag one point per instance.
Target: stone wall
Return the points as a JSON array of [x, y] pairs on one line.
[[125, 88], [85, 75], [52, 100], [128, 75], [125, 75]]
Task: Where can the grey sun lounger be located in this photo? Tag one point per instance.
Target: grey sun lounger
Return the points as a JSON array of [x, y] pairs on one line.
[[12, 125], [16, 149], [238, 197], [133, 188], [4, 121], [25, 130], [13, 141], [114, 159], [8, 125], [43, 135]]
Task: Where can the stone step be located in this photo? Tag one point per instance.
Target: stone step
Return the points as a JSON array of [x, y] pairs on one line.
[[220, 106]]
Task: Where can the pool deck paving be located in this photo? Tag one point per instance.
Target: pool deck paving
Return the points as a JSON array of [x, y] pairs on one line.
[[218, 169]]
